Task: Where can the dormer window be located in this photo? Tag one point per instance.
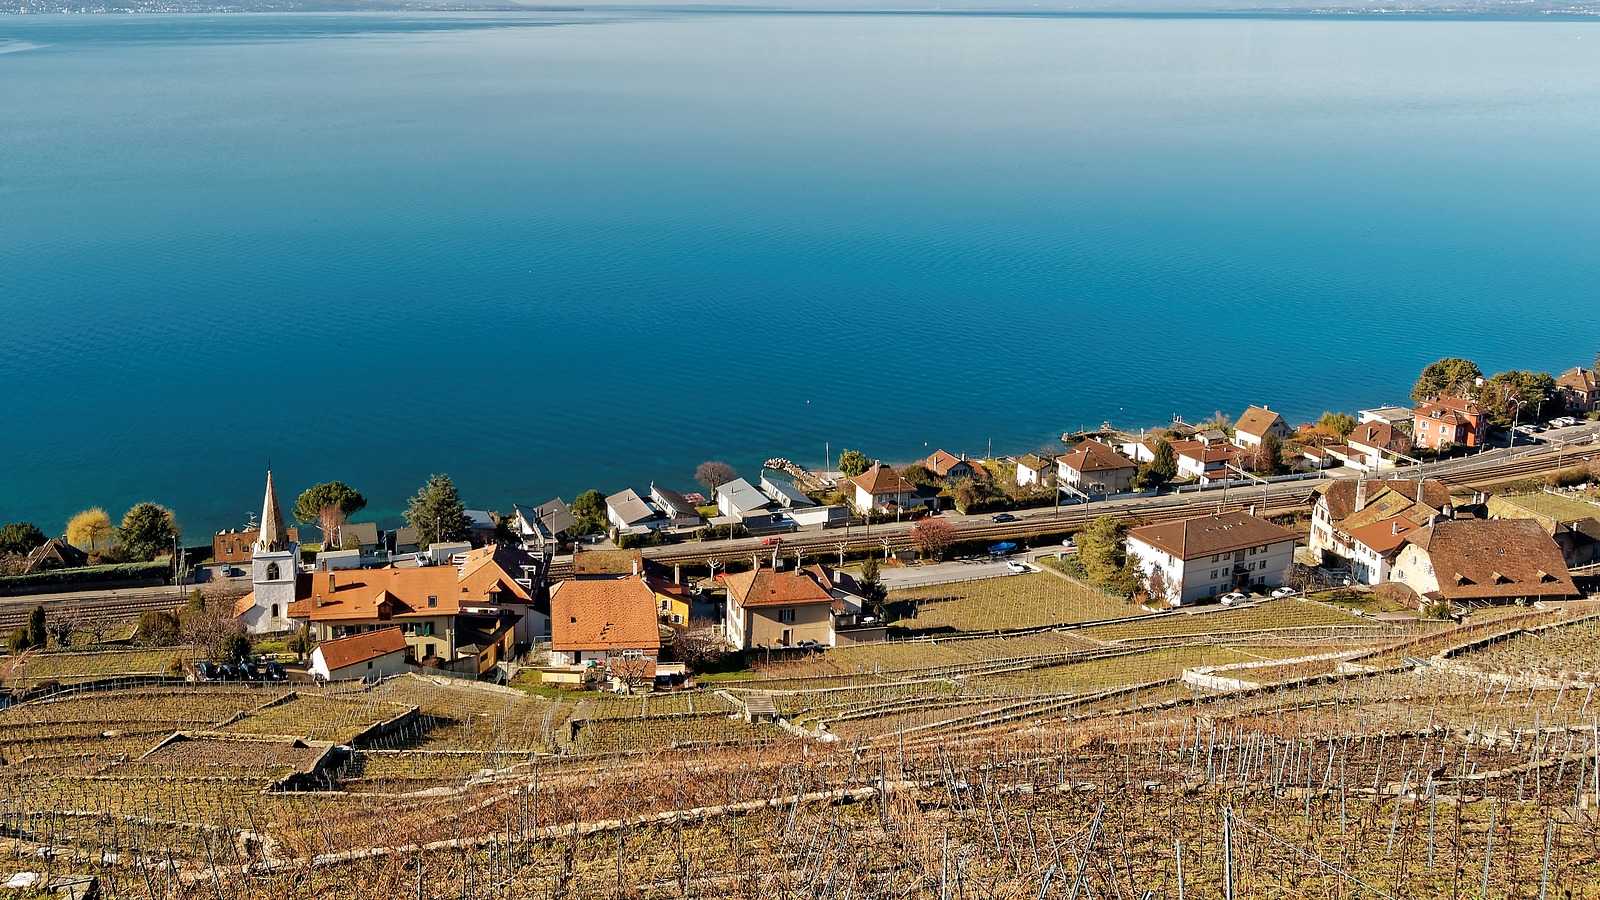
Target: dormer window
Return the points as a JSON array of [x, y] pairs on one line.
[[433, 601]]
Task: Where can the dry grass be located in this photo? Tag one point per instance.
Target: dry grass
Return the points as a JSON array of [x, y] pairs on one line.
[[1016, 601]]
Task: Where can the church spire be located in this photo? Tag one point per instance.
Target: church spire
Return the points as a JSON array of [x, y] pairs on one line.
[[273, 536]]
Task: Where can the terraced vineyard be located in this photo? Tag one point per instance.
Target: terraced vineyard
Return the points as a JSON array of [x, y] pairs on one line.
[[1019, 601], [1270, 616], [74, 666]]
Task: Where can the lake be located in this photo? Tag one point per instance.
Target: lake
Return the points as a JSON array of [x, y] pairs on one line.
[[548, 251]]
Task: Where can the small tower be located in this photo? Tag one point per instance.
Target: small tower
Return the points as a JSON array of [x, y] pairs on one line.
[[272, 570]]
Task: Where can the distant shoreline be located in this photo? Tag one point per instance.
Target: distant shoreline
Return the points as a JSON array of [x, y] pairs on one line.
[[1399, 13]]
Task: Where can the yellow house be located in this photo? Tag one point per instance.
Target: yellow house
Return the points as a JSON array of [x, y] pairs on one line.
[[672, 602], [780, 609]]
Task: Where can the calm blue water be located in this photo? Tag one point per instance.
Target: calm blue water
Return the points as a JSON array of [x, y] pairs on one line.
[[546, 252]]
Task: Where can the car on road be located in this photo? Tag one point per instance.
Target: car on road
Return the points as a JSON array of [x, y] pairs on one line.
[[771, 541], [1069, 544], [1016, 568], [1233, 597], [1563, 422], [1003, 517], [1284, 592]]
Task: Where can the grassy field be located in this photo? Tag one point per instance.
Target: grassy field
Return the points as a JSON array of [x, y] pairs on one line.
[[1017, 601], [1101, 674], [68, 666]]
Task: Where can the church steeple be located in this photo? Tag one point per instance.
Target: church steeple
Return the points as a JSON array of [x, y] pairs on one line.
[[273, 536]]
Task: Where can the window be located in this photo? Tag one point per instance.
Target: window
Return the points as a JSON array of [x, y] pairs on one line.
[[427, 649], [432, 601], [274, 610], [369, 663], [786, 616], [272, 571]]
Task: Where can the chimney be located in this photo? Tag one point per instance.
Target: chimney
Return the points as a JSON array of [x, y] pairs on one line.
[[1394, 528], [1361, 494], [332, 581], [636, 566]]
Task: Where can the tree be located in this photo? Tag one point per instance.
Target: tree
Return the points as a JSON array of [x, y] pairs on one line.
[[1100, 549], [933, 537], [872, 589], [328, 506], [1336, 424], [62, 626], [920, 475], [211, 626], [38, 636], [148, 530], [714, 474], [437, 513], [1160, 469], [90, 530], [589, 509], [1155, 586], [1451, 375], [1269, 460], [853, 463], [20, 537], [1516, 394]]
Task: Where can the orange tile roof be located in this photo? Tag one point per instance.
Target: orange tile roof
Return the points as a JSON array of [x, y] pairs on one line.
[[764, 587], [880, 479], [604, 614], [364, 594], [941, 462], [1257, 420], [243, 604], [1385, 535], [358, 648]]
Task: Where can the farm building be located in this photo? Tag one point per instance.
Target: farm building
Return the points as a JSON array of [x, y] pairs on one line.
[[373, 654], [1484, 561]]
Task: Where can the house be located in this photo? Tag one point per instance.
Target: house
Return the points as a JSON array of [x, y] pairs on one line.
[[1256, 423], [1571, 521], [673, 601], [882, 489], [1187, 560], [481, 526], [1447, 421], [403, 540], [464, 617], [1096, 469], [772, 609], [948, 466], [1317, 457], [55, 553], [1578, 390], [1033, 469], [598, 621], [1141, 449], [545, 526], [628, 512], [742, 502], [1376, 445], [1364, 523], [675, 507], [1484, 561], [371, 654], [1206, 462], [781, 489], [1394, 416], [237, 546]]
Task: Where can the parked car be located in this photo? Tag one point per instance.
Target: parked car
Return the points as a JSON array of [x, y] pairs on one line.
[[771, 541], [1563, 422], [273, 671], [1232, 597], [1069, 544], [1016, 568], [206, 671], [1003, 517], [1285, 592]]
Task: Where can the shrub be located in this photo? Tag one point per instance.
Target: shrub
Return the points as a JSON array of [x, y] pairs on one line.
[[158, 629], [17, 641], [142, 571], [1572, 476]]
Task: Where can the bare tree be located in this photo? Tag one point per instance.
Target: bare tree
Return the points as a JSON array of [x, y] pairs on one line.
[[714, 474], [933, 537], [632, 673]]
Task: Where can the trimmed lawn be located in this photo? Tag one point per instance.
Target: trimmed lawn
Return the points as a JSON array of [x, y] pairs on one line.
[[1012, 601]]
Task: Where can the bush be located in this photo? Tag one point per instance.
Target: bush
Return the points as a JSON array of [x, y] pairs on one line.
[[143, 571], [1571, 476], [17, 641], [158, 629]]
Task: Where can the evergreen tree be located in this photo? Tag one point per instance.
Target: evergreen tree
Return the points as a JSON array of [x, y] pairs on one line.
[[437, 513], [148, 530]]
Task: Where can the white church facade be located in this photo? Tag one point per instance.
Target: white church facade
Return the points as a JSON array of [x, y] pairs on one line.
[[273, 571]]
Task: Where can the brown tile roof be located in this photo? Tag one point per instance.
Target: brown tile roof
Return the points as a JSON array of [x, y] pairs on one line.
[[1208, 535], [940, 462], [1093, 456], [1034, 461], [1381, 436], [1206, 453], [1449, 409], [1494, 559], [604, 614], [764, 587], [880, 479], [358, 648], [1257, 420], [243, 604], [365, 594], [1341, 495], [1577, 379], [1385, 535]]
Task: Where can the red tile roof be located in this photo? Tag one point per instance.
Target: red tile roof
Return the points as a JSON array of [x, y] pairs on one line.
[[359, 648], [1257, 421], [941, 462], [1485, 559], [764, 587], [365, 594], [1208, 535], [880, 479]]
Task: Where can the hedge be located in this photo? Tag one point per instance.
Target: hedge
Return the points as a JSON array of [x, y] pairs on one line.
[[143, 571]]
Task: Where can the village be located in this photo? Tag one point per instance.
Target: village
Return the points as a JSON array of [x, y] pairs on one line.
[[1179, 626]]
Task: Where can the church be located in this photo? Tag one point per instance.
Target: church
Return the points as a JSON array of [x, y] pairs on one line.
[[273, 572]]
